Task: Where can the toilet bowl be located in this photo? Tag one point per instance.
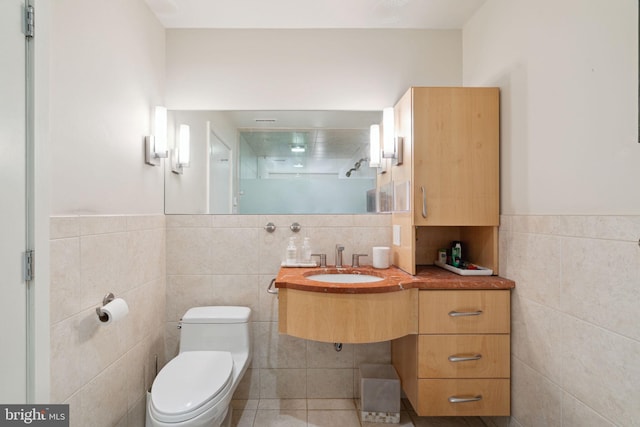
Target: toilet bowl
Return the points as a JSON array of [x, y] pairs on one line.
[[195, 388]]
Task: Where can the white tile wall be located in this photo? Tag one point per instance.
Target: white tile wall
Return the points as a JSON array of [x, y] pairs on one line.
[[103, 371], [576, 340], [576, 343], [230, 259]]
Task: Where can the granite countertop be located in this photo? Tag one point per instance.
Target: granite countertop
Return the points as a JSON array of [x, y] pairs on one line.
[[393, 279]]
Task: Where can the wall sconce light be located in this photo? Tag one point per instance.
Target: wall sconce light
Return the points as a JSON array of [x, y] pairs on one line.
[[374, 146], [392, 147], [182, 154], [388, 145], [156, 144]]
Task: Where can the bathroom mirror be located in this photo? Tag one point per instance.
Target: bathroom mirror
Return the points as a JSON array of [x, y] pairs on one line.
[[273, 162]]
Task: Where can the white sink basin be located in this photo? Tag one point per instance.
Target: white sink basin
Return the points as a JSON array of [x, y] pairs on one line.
[[344, 278]]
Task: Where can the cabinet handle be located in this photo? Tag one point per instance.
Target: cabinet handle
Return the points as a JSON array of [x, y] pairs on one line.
[[456, 399], [465, 313], [424, 202], [454, 358]]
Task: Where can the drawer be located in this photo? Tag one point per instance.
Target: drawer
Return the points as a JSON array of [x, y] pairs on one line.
[[464, 312], [463, 356], [471, 397]]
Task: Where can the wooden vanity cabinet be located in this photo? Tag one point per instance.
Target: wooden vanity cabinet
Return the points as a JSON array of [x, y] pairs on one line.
[[450, 138], [459, 362]]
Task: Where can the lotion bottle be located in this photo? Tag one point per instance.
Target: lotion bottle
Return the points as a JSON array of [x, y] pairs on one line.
[[292, 252]]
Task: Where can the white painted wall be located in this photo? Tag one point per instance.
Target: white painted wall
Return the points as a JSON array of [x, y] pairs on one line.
[[305, 69], [569, 79], [106, 74]]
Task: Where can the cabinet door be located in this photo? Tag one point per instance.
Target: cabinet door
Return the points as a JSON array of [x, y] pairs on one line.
[[456, 156], [401, 175]]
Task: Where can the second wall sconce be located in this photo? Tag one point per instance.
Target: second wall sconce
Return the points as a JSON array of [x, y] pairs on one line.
[[388, 123], [156, 144], [181, 156], [392, 146], [374, 146]]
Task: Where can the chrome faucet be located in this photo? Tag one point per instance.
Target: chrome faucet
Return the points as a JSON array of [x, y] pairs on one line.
[[339, 249], [355, 260], [323, 259]]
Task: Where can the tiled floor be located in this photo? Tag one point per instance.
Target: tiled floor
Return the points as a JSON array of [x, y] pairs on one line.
[[328, 413]]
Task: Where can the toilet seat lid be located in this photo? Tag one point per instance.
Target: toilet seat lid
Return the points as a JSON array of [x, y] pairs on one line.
[[188, 383]]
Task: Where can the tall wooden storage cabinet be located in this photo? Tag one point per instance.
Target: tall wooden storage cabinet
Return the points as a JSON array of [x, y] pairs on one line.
[[449, 174], [447, 188]]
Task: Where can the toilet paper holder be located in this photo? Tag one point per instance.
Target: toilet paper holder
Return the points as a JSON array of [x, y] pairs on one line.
[[106, 300]]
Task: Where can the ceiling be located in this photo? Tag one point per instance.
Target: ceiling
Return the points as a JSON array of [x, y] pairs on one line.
[[317, 14]]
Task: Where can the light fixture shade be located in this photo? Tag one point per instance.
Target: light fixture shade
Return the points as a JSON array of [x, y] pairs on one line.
[[388, 123], [374, 146], [184, 146], [160, 132], [156, 144], [181, 154]]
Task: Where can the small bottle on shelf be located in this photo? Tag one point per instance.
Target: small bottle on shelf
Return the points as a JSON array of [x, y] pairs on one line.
[[292, 252], [456, 253]]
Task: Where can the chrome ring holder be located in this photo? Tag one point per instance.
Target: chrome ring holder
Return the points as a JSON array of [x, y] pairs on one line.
[[106, 300]]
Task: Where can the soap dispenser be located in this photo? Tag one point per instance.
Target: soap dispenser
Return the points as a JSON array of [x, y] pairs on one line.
[[292, 252]]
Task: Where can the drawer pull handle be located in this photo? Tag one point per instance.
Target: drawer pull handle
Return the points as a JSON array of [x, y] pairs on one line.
[[464, 358], [456, 399], [465, 313]]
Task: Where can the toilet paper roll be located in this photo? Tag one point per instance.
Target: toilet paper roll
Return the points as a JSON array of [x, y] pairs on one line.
[[381, 256], [114, 311]]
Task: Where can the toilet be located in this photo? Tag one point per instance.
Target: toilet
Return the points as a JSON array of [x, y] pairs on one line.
[[195, 388]]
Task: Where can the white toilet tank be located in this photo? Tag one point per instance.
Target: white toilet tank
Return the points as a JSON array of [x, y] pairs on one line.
[[220, 328]]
